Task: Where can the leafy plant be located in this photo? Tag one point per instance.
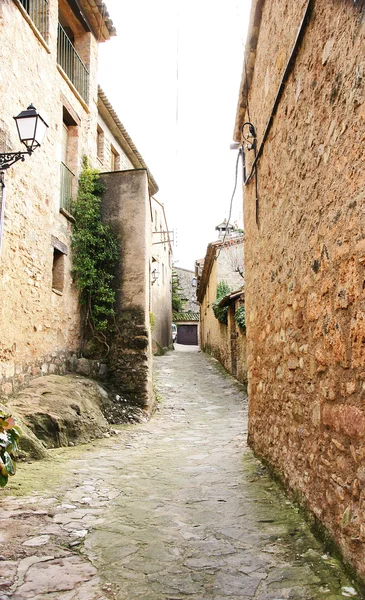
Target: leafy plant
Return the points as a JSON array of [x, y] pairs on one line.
[[95, 254], [240, 317], [221, 313], [9, 436], [152, 321]]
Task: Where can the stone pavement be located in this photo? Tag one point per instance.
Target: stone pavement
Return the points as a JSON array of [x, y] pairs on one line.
[[171, 509]]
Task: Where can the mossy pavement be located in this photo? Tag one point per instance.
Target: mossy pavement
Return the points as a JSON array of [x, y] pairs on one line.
[[174, 508]]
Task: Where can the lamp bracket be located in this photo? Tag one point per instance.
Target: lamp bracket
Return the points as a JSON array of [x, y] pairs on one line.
[[9, 158]]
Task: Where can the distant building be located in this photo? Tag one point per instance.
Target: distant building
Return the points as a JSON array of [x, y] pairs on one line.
[[187, 320], [161, 277], [223, 264]]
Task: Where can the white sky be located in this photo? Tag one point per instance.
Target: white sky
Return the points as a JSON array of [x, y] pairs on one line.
[[172, 74]]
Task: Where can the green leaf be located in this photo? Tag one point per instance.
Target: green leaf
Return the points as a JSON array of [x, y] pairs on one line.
[[3, 480], [8, 463]]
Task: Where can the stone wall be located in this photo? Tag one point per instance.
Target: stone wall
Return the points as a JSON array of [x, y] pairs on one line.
[[39, 324], [107, 147], [305, 262], [187, 283], [226, 342], [126, 208], [213, 334]]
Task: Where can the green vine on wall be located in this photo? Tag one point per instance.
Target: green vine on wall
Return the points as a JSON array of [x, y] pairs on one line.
[[95, 255], [221, 313], [240, 317]]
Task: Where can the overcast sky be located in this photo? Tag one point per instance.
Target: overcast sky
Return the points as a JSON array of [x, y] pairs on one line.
[[172, 74]]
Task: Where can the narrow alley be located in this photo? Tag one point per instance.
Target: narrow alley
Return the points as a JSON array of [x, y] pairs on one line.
[[170, 509]]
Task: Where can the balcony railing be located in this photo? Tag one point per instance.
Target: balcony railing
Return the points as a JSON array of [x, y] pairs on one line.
[[38, 12], [66, 188], [72, 64]]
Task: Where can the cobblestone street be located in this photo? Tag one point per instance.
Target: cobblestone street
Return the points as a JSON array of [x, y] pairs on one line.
[[170, 509]]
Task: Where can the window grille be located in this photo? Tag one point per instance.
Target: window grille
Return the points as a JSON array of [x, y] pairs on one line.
[[72, 64], [66, 188], [38, 12]]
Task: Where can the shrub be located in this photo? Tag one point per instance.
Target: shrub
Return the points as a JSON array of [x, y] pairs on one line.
[[9, 436], [221, 313], [240, 317]]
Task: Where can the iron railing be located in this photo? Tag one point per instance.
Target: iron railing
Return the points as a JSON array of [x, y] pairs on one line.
[[66, 188], [72, 64], [38, 12]]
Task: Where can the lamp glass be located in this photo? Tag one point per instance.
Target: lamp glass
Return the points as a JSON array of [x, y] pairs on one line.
[[31, 128], [26, 130], [40, 131]]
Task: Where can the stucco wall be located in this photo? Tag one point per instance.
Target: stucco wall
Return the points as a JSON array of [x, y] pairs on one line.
[[305, 264], [126, 208], [161, 289], [38, 328]]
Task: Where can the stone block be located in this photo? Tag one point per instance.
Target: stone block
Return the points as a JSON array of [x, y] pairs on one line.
[[83, 367]]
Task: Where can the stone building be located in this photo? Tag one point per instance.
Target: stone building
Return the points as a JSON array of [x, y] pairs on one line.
[[49, 51], [225, 341], [161, 277], [187, 320], [127, 208], [303, 91], [187, 284]]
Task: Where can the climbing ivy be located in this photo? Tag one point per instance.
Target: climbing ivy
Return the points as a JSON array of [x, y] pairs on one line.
[[221, 313], [95, 254], [240, 317]]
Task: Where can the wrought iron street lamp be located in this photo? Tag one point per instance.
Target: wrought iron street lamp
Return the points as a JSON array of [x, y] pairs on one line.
[[31, 130], [155, 275]]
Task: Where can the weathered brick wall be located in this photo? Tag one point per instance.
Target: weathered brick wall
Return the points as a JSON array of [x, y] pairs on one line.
[[305, 264], [38, 327]]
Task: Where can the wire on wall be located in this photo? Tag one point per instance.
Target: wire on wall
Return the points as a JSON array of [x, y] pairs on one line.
[[232, 197]]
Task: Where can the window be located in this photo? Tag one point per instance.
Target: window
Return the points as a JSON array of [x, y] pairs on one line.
[[58, 266], [68, 161], [114, 160], [38, 12], [163, 273], [100, 143], [58, 271], [71, 38]]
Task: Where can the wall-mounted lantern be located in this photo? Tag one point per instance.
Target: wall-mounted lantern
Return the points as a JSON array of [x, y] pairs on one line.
[[155, 275], [31, 130]]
